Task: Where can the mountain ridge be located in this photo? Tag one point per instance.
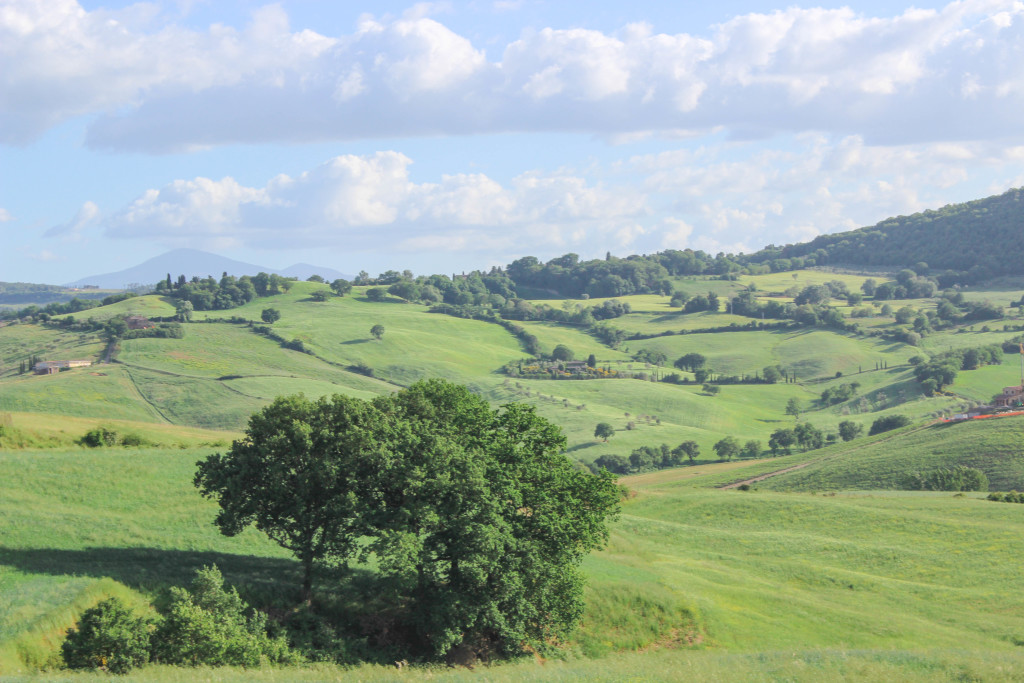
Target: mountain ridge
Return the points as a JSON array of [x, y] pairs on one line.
[[194, 262]]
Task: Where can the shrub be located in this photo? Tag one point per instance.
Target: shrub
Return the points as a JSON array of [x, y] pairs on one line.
[[109, 637], [133, 439], [884, 424], [100, 436], [211, 625], [361, 368], [959, 478]]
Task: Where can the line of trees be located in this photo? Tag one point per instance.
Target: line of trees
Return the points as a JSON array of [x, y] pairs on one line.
[[645, 458], [209, 294]]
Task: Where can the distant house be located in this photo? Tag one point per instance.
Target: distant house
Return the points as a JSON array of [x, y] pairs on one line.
[[575, 366], [138, 322], [1011, 396], [90, 286], [52, 367]]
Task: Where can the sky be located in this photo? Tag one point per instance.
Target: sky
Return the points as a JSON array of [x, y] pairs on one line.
[[449, 136]]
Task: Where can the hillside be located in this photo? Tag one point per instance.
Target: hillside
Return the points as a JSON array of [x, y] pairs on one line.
[[221, 371], [975, 237], [994, 446], [722, 571], [689, 565]]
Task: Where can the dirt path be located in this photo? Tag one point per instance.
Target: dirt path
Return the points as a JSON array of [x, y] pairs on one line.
[[792, 468]]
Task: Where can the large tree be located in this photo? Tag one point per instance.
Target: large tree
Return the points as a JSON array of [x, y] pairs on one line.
[[484, 520], [297, 476], [475, 519], [603, 430]]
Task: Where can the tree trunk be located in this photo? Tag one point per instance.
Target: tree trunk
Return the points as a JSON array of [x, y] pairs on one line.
[[307, 581]]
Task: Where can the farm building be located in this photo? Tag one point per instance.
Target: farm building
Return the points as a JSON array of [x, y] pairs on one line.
[[52, 367], [1011, 396], [138, 322]]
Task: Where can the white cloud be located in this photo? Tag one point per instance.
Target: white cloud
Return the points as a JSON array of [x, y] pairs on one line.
[[355, 200], [87, 216], [5, 215], [926, 75], [676, 234], [43, 255]]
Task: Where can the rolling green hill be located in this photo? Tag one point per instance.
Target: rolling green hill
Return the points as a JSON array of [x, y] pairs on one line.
[[687, 567], [962, 237], [995, 446], [692, 571]]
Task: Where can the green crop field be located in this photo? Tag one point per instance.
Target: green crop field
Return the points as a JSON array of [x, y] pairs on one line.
[[808, 353], [19, 342]]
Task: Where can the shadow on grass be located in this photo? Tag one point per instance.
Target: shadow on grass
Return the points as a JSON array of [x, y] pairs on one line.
[[581, 446], [355, 341], [259, 579]]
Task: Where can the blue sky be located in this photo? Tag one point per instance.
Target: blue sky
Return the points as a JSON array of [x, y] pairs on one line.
[[455, 135]]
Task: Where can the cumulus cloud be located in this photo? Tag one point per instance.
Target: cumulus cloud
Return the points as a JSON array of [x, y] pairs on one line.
[[5, 215], [72, 230], [358, 200], [924, 75]]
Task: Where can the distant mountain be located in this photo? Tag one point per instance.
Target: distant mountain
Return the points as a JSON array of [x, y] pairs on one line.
[[973, 241], [192, 262], [304, 270]]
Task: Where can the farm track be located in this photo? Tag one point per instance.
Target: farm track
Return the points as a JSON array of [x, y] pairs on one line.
[[142, 396], [793, 468]]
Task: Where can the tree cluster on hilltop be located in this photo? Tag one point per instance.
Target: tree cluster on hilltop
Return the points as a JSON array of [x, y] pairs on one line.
[[209, 294], [968, 242]]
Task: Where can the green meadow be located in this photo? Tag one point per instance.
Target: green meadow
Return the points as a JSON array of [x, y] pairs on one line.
[[995, 446], [825, 572], [715, 582]]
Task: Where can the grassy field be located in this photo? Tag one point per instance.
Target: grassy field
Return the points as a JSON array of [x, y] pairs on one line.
[[103, 391], [43, 430], [149, 306], [995, 446], [19, 342], [716, 583], [807, 352], [780, 282]]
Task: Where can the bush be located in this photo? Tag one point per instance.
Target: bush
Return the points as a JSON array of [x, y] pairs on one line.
[[884, 424], [211, 625], [109, 637], [133, 439], [361, 368], [317, 640], [959, 478], [100, 436]]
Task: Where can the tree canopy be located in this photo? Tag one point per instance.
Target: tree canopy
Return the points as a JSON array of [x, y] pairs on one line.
[[475, 518]]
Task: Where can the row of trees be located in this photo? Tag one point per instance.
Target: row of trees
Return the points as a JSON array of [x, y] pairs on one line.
[[646, 458], [209, 294]]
